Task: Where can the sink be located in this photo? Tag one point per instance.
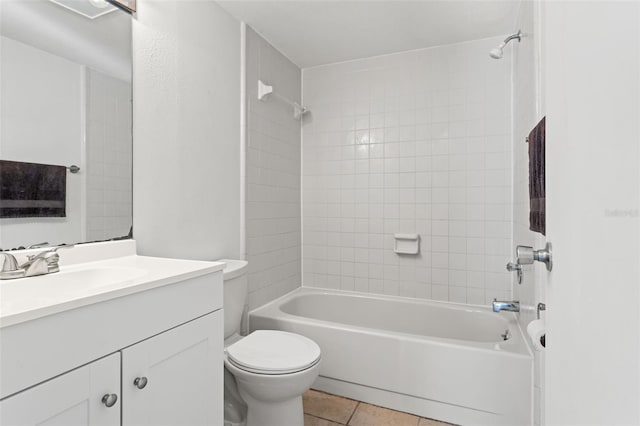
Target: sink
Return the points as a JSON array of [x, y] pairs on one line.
[[93, 274], [92, 278], [68, 284]]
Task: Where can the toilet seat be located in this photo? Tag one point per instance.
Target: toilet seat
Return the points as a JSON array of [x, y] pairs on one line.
[[273, 352]]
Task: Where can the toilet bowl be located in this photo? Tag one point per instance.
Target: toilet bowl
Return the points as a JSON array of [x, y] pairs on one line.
[[267, 371]]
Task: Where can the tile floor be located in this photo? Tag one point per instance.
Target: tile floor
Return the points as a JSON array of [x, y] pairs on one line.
[[324, 409]]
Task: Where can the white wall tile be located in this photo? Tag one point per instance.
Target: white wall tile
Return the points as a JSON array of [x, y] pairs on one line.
[[274, 244], [438, 163]]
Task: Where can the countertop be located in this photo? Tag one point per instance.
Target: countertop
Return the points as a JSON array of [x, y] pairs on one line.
[[82, 284]]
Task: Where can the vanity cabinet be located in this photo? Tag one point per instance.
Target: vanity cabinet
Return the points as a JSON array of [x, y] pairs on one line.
[[72, 399], [173, 378], [155, 343]]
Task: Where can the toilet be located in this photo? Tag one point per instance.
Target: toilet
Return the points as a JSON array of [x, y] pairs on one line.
[[267, 371]]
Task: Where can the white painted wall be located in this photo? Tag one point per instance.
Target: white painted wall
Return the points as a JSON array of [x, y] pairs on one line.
[[41, 115], [527, 112], [592, 88], [186, 155], [415, 142], [273, 174]]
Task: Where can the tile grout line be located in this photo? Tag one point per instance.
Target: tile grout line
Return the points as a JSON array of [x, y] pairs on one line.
[[353, 412], [358, 403], [322, 418]]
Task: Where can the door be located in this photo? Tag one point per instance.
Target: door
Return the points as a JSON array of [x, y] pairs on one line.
[[592, 90], [175, 378], [72, 399]]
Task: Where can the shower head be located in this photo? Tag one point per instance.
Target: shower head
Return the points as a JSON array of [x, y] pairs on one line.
[[497, 52]]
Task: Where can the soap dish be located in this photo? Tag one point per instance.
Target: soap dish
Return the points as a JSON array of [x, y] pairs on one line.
[[407, 243]]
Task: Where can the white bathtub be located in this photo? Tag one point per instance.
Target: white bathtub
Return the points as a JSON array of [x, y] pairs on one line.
[[440, 360]]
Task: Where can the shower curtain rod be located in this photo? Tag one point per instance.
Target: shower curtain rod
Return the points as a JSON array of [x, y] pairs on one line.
[[265, 89]]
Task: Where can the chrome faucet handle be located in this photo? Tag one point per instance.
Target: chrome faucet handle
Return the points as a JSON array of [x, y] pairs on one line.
[[38, 266], [51, 250], [38, 245], [50, 256], [526, 255], [511, 267], [8, 262]]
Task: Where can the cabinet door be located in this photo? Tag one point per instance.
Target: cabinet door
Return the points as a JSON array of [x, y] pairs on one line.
[[72, 399], [179, 376]]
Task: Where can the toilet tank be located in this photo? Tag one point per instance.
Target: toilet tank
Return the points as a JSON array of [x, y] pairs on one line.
[[235, 294]]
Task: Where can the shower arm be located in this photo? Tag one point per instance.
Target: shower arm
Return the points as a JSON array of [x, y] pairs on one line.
[[517, 35]]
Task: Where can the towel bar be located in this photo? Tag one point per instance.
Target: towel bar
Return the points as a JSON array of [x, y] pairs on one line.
[[73, 168]]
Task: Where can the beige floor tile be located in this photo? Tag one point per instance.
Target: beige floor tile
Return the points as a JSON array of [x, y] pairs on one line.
[[370, 415], [317, 421], [431, 422], [326, 406]]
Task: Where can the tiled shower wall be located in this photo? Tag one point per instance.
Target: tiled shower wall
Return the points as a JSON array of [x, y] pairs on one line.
[[273, 174], [109, 159], [415, 142]]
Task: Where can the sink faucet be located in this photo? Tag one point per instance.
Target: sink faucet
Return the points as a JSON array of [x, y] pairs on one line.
[[500, 305], [45, 262]]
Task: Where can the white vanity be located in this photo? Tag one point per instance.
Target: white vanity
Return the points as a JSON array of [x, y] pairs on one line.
[[113, 339]]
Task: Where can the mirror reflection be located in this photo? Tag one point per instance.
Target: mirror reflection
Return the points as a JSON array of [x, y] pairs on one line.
[[66, 101]]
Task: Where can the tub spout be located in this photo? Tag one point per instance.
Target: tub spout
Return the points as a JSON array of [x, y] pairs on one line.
[[509, 306]]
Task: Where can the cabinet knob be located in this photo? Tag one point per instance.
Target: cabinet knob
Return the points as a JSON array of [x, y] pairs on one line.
[[140, 382], [110, 399]]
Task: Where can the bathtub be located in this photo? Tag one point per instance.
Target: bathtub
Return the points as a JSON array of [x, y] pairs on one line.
[[457, 363]]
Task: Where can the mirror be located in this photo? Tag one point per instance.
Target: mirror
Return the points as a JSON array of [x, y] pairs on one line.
[[66, 100]]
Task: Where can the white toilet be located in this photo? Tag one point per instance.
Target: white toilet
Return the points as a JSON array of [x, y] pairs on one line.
[[272, 369]]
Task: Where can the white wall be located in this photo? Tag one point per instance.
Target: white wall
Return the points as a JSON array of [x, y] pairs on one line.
[[108, 152], [186, 130], [273, 174], [527, 112], [411, 142], [592, 87], [41, 115]]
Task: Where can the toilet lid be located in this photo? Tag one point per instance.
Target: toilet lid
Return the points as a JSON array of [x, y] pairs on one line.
[[273, 352]]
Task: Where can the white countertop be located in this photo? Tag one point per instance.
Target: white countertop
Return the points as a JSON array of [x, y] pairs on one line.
[[81, 284]]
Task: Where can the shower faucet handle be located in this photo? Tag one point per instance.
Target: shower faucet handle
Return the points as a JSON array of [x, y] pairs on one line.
[[526, 255], [511, 267]]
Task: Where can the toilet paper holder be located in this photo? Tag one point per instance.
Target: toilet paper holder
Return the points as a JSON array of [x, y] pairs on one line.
[[541, 307]]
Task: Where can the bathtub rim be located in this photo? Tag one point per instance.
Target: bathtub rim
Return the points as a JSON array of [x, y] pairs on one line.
[[518, 344]]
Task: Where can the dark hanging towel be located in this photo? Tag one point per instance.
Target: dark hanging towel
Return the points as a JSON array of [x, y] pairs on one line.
[[537, 205], [32, 190]]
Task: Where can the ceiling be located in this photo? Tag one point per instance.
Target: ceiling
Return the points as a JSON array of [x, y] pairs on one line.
[[316, 32]]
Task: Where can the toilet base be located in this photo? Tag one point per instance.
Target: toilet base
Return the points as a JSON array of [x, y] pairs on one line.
[[235, 408], [270, 413]]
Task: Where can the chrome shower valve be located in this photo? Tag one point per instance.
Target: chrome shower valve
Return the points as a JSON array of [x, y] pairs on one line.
[[526, 255]]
